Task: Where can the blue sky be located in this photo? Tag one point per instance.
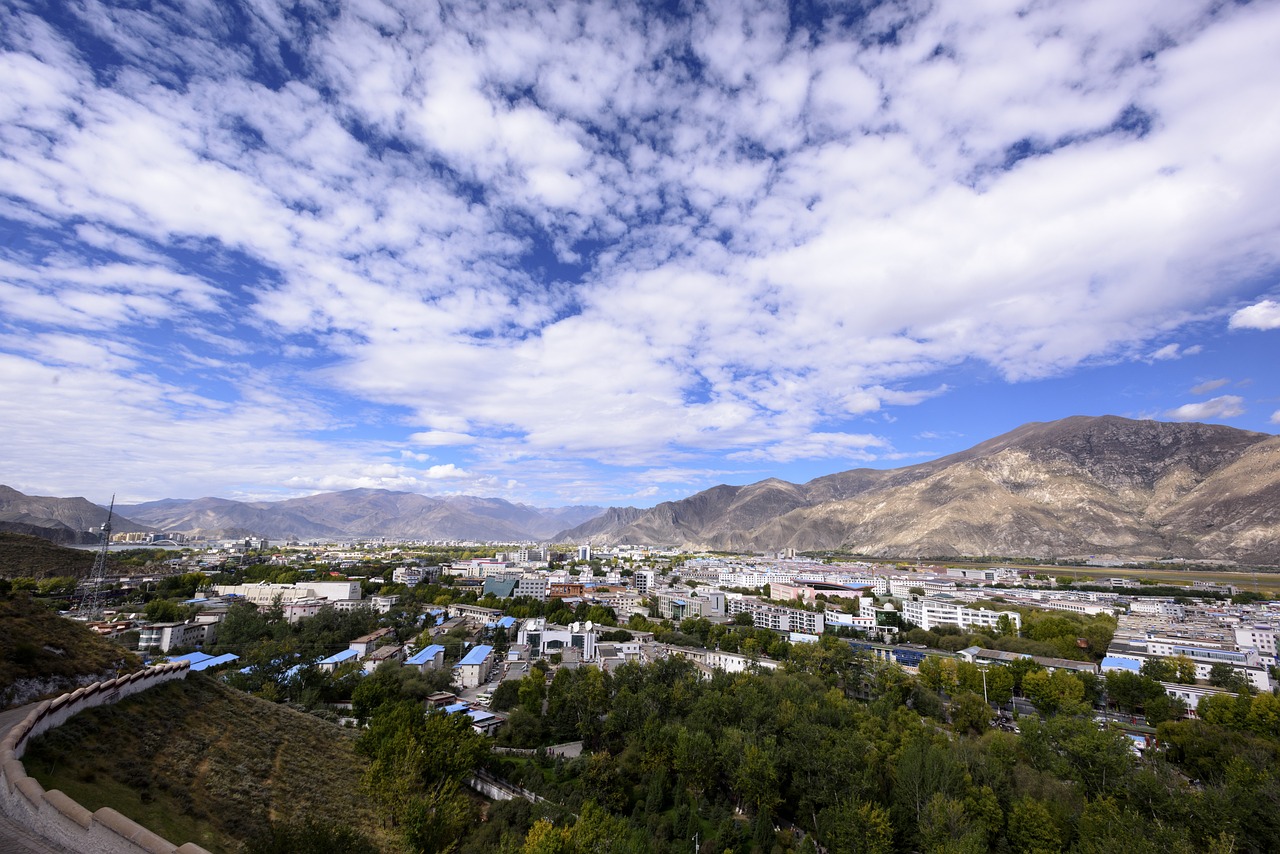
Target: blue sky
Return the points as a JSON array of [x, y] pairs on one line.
[[584, 253]]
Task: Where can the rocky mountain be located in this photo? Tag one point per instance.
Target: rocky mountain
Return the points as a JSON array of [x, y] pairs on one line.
[[605, 523], [362, 512], [62, 520], [1077, 487]]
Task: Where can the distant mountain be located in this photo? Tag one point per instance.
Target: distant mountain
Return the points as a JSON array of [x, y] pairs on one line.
[[62, 520], [362, 513], [1077, 487], [600, 525]]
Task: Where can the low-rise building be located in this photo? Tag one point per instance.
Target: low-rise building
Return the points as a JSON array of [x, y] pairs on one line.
[[428, 658], [474, 667], [168, 636]]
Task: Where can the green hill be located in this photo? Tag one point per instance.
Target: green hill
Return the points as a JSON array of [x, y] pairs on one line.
[[42, 654], [196, 761]]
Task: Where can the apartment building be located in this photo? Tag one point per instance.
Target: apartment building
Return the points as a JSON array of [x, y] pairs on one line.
[[780, 618], [927, 613]]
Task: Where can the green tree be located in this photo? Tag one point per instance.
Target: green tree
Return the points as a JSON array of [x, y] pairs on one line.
[[1032, 829], [970, 714], [856, 827]]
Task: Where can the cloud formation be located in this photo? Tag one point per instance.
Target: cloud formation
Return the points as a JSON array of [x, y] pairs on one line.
[[590, 241], [1213, 409], [1262, 315]]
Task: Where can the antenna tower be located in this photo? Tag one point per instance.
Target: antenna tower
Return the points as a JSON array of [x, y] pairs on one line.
[[90, 606]]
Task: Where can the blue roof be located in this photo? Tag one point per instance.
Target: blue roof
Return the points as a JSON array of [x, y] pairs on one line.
[[215, 662], [477, 715], [424, 655], [1112, 662], [477, 655], [506, 622], [456, 707], [339, 657], [193, 658]]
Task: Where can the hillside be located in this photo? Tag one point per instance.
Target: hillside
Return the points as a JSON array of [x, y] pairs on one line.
[[196, 761], [74, 514], [43, 655], [36, 557], [1077, 487]]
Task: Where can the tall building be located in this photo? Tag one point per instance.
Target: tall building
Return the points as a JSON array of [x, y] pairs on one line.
[[584, 551]]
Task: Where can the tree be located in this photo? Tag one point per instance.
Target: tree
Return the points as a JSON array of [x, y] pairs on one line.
[[1184, 669], [1158, 669], [756, 781], [970, 714], [856, 827], [999, 685], [1032, 829], [1223, 675]]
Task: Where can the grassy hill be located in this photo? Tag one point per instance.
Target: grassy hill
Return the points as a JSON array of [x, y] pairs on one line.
[[196, 761], [42, 654], [22, 555]]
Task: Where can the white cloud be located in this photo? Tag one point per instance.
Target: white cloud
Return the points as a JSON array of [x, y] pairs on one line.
[[1214, 409], [1174, 351], [1275, 417], [536, 233], [1209, 385], [1262, 315]]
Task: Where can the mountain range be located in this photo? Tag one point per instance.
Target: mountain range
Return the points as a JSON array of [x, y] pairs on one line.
[[1079, 487]]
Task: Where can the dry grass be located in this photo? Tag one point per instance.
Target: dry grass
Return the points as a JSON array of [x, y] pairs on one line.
[[199, 762]]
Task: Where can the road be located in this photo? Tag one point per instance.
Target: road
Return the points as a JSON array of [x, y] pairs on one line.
[[14, 837]]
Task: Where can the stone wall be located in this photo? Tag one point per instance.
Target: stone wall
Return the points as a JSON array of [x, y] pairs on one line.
[[55, 816]]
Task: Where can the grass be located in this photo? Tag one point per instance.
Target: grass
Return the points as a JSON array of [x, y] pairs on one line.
[[197, 761], [22, 555], [35, 643]]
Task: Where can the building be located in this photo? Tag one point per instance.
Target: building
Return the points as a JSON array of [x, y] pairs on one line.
[[428, 658], [533, 586], [365, 644], [584, 551], [167, 636], [927, 613], [780, 618], [564, 590], [681, 604], [264, 595], [331, 663], [390, 652], [544, 639], [474, 668]]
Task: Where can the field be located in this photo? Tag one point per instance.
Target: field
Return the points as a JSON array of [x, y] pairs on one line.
[[196, 761]]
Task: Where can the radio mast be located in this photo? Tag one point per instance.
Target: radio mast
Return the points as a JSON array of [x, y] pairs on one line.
[[90, 607]]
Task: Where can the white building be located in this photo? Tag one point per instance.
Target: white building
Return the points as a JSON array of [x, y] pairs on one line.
[[169, 636], [680, 604], [474, 667], [544, 639], [780, 618], [927, 613]]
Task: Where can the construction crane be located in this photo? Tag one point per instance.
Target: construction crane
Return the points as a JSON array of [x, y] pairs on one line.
[[91, 596]]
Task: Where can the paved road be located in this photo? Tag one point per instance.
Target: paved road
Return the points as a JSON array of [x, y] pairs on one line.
[[14, 837]]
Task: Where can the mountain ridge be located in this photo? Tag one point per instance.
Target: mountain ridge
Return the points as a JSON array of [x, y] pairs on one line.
[[1077, 487]]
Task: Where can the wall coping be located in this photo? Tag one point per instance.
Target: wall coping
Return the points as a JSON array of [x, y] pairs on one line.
[[54, 814]]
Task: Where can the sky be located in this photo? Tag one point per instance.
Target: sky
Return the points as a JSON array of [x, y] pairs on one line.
[[614, 254]]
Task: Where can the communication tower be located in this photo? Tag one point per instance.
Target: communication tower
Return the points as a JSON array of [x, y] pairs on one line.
[[90, 606]]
